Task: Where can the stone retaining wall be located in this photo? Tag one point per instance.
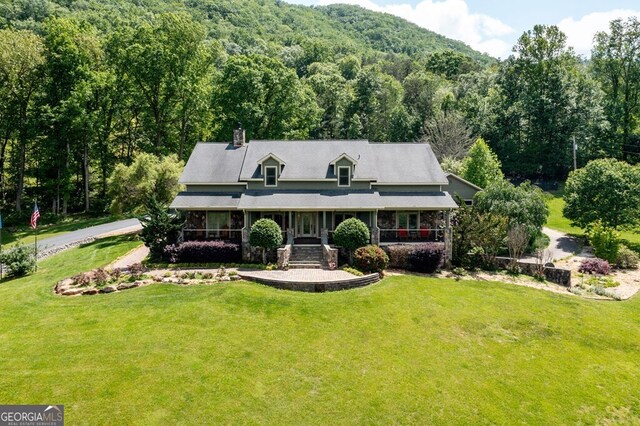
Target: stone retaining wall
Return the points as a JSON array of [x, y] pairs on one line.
[[317, 287], [555, 275]]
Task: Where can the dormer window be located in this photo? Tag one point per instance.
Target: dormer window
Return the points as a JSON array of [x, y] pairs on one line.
[[344, 176], [271, 176]]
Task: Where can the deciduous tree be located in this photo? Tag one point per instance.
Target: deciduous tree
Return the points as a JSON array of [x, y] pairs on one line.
[[481, 166], [606, 190]]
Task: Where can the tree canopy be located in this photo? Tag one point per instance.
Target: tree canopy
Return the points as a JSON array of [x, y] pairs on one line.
[[481, 166], [86, 87], [606, 190]]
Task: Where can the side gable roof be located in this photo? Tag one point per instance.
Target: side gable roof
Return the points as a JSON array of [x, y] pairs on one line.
[[401, 163], [381, 163], [306, 160], [214, 163]]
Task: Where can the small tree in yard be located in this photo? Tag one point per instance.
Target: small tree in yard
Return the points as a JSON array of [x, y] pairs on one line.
[[481, 166], [159, 228], [605, 241], [517, 241], [265, 233], [523, 204], [483, 233], [19, 261], [351, 234]]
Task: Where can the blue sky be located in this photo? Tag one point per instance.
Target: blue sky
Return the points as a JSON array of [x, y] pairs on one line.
[[493, 26]]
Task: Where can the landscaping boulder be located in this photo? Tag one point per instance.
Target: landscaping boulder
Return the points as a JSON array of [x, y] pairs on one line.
[[72, 291], [126, 286], [90, 291], [108, 289]]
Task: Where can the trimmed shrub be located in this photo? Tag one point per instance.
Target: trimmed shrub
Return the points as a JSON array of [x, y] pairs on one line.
[[595, 266], [627, 258], [370, 258], [203, 252], [265, 233], [399, 256], [605, 241], [427, 257], [19, 261], [351, 234]]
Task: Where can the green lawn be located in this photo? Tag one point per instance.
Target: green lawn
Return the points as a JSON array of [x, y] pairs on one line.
[[406, 350], [25, 234], [558, 222]]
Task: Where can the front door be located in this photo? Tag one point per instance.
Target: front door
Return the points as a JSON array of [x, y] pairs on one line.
[[306, 224]]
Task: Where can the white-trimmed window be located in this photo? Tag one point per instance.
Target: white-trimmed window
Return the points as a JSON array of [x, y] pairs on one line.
[[408, 220], [344, 176], [271, 176], [218, 224]]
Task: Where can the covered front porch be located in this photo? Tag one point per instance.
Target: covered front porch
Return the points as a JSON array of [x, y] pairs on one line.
[[318, 226]]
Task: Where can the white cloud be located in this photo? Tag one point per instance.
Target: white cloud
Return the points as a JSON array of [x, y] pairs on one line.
[[580, 32], [450, 18]]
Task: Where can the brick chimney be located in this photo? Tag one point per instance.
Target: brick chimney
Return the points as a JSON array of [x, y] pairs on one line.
[[238, 137]]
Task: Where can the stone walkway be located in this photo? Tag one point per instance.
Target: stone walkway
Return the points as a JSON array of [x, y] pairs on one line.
[[136, 255]]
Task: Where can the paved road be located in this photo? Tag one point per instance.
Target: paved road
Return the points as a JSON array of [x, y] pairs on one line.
[[560, 246], [82, 234]]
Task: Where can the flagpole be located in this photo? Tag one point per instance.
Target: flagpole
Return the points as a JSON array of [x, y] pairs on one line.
[[36, 229]]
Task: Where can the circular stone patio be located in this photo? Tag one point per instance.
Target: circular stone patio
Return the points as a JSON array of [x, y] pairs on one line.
[[309, 280]]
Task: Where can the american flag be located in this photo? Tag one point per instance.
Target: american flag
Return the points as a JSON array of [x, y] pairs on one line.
[[34, 216]]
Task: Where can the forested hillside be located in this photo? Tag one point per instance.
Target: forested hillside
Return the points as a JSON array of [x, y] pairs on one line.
[[85, 86]]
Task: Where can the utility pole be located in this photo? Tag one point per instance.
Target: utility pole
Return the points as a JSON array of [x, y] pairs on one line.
[[575, 148]]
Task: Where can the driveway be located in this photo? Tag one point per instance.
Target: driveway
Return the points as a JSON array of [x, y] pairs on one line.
[[75, 237], [560, 246]]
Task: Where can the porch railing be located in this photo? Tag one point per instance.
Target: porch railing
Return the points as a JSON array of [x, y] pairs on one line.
[[411, 235], [212, 234]]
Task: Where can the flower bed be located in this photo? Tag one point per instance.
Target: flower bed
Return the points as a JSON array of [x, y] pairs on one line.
[[104, 281]]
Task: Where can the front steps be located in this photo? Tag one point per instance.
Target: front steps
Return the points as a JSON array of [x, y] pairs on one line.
[[306, 257]]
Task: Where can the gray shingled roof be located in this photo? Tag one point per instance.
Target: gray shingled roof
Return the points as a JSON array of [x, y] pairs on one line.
[[202, 200], [214, 163], [405, 163], [384, 163], [305, 159], [416, 200], [315, 200]]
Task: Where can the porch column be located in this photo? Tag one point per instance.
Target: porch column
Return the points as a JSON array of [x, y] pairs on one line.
[[448, 243], [375, 231], [246, 249]]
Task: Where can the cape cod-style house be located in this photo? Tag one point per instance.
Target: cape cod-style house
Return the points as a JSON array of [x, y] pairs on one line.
[[308, 187]]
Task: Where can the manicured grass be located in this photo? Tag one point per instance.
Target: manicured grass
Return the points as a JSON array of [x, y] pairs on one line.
[[407, 350], [25, 234], [558, 222]]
